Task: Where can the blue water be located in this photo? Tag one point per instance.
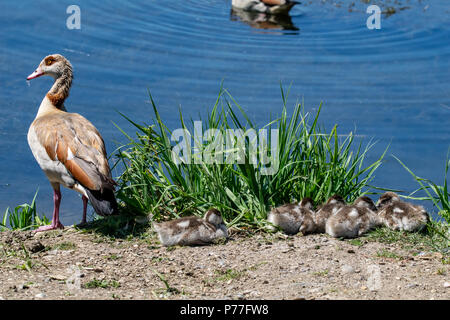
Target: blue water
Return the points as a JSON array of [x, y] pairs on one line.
[[392, 85]]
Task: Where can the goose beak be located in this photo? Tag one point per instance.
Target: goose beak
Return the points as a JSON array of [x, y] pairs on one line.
[[36, 74]]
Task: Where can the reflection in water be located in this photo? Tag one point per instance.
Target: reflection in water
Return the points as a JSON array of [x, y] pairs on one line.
[[265, 6], [260, 20]]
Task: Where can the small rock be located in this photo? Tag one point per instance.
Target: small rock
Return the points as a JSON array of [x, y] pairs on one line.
[[346, 269], [411, 285], [314, 290], [35, 246], [221, 263], [1, 298], [446, 284], [40, 235], [40, 295], [351, 251], [96, 269], [300, 298], [265, 282], [22, 287]]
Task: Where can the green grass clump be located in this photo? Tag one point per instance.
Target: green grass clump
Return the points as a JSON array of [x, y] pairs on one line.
[[311, 163], [383, 253], [356, 242], [103, 284], [23, 217], [322, 273], [168, 289], [229, 274]]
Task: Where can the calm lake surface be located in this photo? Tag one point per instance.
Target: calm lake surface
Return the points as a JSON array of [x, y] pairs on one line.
[[392, 85]]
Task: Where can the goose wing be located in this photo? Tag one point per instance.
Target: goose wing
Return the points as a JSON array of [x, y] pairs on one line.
[[72, 140]]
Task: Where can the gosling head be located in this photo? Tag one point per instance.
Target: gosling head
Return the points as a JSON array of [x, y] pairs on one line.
[[365, 202], [335, 199], [307, 203], [214, 217], [386, 199], [54, 65]]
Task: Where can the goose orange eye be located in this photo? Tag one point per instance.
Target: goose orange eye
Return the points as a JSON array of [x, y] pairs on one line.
[[49, 61]]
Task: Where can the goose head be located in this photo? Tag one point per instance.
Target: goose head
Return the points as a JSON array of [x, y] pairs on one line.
[[54, 65], [365, 202], [307, 203], [386, 199], [336, 199], [214, 217]]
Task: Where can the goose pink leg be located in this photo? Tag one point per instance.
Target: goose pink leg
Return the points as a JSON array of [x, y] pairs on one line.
[[56, 224], [85, 202]]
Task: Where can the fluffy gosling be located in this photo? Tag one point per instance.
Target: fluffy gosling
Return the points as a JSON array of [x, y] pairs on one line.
[[191, 231], [294, 217], [400, 215], [322, 214], [353, 221]]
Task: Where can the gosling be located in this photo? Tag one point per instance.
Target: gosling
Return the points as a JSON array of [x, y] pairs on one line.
[[400, 215], [353, 221], [192, 231], [294, 217], [322, 214]]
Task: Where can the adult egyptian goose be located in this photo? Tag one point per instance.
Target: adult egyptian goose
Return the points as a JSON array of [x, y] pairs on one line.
[[68, 148], [400, 215], [265, 6], [192, 230], [354, 220], [293, 217]]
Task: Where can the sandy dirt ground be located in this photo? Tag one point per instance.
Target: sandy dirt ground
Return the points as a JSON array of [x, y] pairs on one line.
[[72, 264]]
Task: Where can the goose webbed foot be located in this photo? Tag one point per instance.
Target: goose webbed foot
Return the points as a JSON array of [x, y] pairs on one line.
[[53, 226]]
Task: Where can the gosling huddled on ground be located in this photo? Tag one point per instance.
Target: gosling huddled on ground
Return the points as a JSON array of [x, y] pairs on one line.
[[190, 231], [325, 211], [352, 221], [294, 217], [400, 215]]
